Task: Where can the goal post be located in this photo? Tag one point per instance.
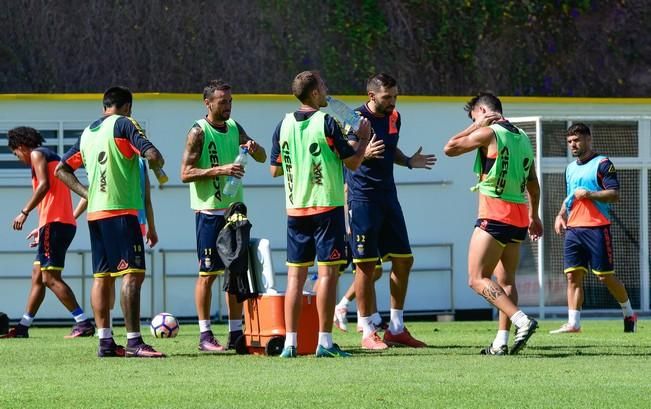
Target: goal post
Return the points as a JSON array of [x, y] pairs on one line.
[[627, 142]]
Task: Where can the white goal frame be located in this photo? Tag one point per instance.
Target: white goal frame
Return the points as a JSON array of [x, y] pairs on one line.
[[641, 163]]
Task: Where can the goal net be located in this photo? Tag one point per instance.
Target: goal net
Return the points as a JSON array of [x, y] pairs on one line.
[[542, 262]]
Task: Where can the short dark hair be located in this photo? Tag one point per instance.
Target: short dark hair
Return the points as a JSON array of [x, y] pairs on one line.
[[304, 83], [24, 136], [579, 129], [487, 99], [380, 80], [215, 85], [117, 97]]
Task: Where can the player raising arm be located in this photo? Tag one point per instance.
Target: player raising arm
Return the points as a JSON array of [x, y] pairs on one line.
[[505, 166]]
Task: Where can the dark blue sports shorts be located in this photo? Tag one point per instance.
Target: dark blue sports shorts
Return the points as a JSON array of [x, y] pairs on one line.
[[589, 248], [208, 227], [322, 235], [504, 233], [117, 246], [53, 242], [378, 230]]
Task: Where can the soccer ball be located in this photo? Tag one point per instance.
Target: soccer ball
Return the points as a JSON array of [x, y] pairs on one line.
[[164, 325]]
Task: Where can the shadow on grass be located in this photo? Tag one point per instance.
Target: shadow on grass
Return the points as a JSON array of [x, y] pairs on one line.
[[586, 350], [204, 354], [536, 351]]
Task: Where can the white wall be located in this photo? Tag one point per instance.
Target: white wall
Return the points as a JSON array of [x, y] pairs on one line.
[[440, 209]]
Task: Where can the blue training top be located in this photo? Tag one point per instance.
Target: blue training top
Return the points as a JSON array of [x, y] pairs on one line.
[[373, 180]]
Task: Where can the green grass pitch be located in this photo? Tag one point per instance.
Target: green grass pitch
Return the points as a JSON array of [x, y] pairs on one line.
[[599, 368]]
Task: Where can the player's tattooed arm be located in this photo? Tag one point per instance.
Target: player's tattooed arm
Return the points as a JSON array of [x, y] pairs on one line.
[[191, 155], [193, 149], [154, 158], [67, 176]]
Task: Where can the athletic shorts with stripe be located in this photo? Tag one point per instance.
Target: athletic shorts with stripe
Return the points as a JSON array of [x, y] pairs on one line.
[[53, 242], [208, 227], [349, 257], [320, 235], [349, 260], [589, 248], [378, 229], [504, 233], [117, 246]]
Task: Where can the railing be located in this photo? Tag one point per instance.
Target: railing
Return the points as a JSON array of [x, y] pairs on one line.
[[166, 274], [160, 299], [83, 273], [449, 268]]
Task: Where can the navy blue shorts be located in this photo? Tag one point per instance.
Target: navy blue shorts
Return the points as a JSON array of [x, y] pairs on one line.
[[349, 257], [322, 235], [378, 266], [504, 233], [117, 246], [589, 248], [53, 242], [208, 227], [378, 230], [349, 260]]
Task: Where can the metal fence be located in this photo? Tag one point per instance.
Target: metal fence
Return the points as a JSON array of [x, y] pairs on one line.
[[170, 280], [176, 276], [78, 275]]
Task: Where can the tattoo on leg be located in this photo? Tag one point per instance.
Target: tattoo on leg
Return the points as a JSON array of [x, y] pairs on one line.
[[491, 292], [130, 301]]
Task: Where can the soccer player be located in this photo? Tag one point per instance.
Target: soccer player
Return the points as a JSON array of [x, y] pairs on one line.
[[341, 309], [308, 150], [145, 219], [211, 147], [377, 224], [56, 229], [109, 149], [505, 167], [591, 185]]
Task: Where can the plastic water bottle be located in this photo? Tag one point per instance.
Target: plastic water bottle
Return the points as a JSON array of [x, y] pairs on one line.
[[308, 287], [233, 183], [161, 176], [342, 113]]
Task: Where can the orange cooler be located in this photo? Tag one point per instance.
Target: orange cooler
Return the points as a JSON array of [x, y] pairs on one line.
[[264, 321]]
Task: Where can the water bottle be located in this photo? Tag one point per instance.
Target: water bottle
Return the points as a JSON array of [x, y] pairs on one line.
[[309, 286], [233, 183], [342, 113], [161, 176]]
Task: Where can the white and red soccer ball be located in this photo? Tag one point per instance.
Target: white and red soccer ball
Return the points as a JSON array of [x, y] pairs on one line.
[[164, 325]]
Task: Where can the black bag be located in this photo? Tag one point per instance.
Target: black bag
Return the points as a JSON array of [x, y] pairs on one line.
[[4, 323], [233, 248]]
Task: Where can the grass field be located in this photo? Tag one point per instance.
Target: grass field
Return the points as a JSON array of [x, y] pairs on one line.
[[599, 368]]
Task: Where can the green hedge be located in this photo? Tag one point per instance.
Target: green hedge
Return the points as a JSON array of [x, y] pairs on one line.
[[438, 47]]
